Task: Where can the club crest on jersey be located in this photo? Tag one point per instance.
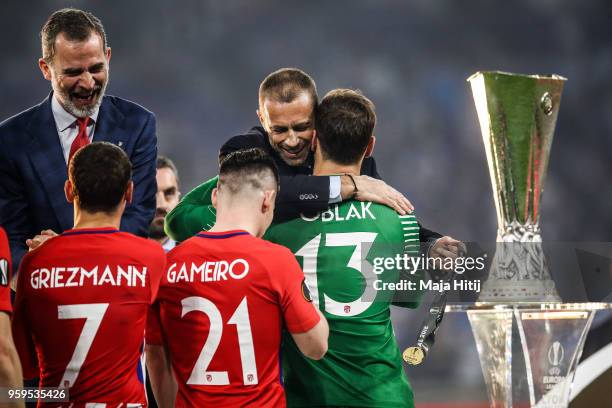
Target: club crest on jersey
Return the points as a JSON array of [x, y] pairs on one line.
[[250, 378], [4, 269], [208, 377], [347, 309], [306, 291]]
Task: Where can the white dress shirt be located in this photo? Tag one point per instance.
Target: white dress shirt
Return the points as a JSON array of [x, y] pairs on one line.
[[335, 189], [67, 128], [169, 244]]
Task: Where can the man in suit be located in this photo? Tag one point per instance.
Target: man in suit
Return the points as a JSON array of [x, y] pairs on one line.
[[37, 144], [168, 195], [287, 110]]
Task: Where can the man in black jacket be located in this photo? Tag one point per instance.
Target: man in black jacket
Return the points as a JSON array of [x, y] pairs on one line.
[[287, 110]]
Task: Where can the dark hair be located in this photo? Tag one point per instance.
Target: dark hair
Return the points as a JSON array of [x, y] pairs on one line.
[[164, 162], [286, 84], [345, 122], [247, 167], [100, 173], [77, 25]]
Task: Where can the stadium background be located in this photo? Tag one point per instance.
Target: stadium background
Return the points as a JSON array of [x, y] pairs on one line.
[[197, 65]]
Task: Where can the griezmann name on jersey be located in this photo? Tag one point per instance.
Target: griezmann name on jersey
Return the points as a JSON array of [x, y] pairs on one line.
[[221, 306], [363, 364], [80, 314]]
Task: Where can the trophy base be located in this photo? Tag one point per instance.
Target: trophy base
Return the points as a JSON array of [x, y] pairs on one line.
[[540, 371], [519, 270], [505, 291]]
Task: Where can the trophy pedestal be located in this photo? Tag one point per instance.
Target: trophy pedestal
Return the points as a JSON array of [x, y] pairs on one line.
[[540, 372]]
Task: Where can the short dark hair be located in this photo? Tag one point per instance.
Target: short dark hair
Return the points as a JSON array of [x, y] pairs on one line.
[[164, 162], [286, 84], [77, 25], [100, 173], [345, 122], [246, 167]]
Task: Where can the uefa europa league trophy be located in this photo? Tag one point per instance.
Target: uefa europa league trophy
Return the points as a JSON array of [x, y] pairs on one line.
[[517, 115]]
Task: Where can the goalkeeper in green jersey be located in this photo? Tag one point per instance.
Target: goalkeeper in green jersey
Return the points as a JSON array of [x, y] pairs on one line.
[[337, 250]]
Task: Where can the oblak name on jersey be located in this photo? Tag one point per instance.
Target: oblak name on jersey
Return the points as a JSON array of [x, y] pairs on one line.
[[354, 210], [75, 276], [207, 271]]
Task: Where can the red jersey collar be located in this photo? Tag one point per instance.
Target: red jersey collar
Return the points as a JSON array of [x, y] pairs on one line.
[[99, 230], [222, 234]]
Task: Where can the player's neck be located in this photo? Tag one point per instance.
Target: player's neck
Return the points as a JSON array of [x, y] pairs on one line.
[[327, 167], [237, 220], [84, 219]]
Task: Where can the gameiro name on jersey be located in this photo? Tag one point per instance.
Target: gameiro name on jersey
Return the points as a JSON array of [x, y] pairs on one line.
[[363, 365], [80, 314], [221, 306]]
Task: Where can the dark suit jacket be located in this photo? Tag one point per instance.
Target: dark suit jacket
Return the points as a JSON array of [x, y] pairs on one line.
[[300, 192], [33, 169]]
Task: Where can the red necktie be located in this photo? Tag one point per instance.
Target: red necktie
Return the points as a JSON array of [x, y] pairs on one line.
[[82, 139]]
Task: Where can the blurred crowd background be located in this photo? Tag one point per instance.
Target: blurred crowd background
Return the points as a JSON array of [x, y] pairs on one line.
[[197, 65]]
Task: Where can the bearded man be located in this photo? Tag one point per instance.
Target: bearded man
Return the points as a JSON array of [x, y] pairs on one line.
[[37, 144]]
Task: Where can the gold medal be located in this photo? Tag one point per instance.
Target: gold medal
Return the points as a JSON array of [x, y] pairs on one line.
[[413, 355]]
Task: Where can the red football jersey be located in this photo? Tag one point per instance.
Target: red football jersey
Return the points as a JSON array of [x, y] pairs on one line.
[[5, 273], [222, 305], [80, 314]]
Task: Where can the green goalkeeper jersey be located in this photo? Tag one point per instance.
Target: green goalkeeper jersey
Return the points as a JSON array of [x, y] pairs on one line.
[[337, 250]]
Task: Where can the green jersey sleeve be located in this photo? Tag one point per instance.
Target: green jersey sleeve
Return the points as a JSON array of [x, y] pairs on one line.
[[193, 214]]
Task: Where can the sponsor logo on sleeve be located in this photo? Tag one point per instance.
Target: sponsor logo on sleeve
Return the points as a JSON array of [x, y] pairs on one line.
[[308, 196], [306, 291], [4, 270]]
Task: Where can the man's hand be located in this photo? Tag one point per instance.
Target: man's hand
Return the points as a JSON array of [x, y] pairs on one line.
[[376, 191], [447, 247], [39, 239]]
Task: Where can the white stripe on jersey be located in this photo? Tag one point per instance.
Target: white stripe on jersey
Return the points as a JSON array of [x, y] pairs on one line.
[[411, 239]]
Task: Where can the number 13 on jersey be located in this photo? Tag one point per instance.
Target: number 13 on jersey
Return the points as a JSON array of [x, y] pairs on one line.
[[310, 254]]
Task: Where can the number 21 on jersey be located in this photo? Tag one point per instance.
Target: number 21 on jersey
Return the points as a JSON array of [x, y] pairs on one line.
[[240, 318]]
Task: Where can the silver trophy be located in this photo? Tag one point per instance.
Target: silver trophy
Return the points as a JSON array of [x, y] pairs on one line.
[[517, 115]]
